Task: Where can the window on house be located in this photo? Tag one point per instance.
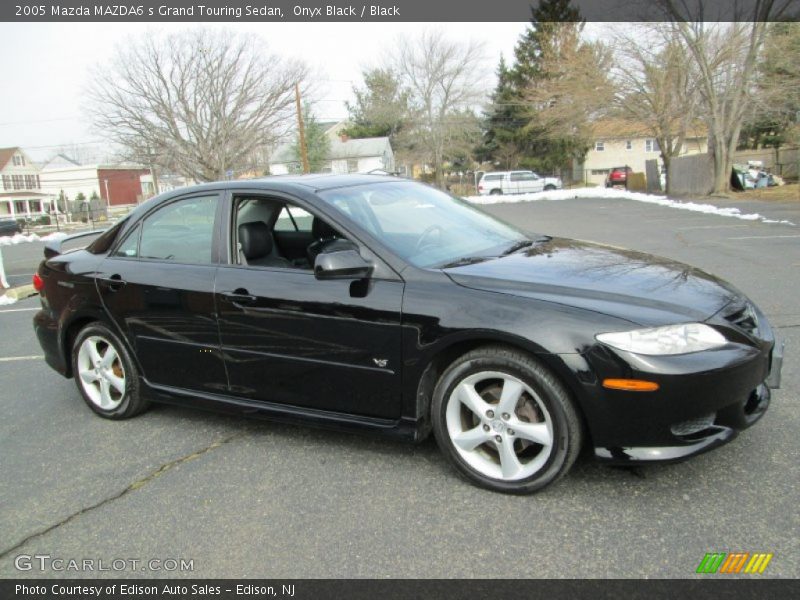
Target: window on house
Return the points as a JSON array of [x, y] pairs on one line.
[[18, 181], [19, 207], [352, 165], [599, 146], [628, 145], [651, 145], [19, 160], [7, 182]]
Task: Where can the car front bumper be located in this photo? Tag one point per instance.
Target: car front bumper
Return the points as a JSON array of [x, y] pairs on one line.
[[703, 400]]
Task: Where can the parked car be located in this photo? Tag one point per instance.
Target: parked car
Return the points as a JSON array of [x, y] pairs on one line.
[[9, 227], [516, 182], [369, 303], [618, 176]]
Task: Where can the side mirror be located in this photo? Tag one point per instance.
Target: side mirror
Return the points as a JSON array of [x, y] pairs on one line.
[[342, 264]]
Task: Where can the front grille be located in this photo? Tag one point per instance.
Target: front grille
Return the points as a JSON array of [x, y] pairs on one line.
[[742, 315]]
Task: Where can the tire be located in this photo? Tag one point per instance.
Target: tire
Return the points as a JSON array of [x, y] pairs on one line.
[[543, 430], [549, 187], [496, 192], [108, 383]]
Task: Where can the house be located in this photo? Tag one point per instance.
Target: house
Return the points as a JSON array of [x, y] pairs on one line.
[[346, 155], [621, 142], [115, 185], [21, 194]]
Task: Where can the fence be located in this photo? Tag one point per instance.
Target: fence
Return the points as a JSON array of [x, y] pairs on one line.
[[691, 175]]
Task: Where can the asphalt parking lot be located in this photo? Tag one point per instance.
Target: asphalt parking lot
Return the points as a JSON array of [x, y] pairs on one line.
[[257, 499]]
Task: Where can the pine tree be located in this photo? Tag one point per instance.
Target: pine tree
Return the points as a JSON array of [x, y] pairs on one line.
[[318, 145], [500, 122], [548, 22]]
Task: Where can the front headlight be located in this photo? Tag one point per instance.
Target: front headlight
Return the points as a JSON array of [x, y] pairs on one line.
[[672, 339]]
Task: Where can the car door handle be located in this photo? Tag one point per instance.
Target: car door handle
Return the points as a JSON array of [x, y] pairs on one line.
[[239, 296], [113, 283]]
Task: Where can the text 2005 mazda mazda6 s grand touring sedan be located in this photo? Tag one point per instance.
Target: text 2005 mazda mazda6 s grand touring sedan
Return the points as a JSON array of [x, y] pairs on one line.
[[375, 303]]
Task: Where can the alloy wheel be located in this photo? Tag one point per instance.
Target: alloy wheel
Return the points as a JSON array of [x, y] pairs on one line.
[[101, 373], [499, 426]]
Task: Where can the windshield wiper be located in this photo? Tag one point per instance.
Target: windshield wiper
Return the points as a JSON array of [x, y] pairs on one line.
[[464, 260], [517, 246]]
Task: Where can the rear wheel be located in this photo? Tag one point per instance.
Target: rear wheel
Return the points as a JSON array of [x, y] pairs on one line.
[[505, 422], [549, 187], [105, 375], [496, 192]]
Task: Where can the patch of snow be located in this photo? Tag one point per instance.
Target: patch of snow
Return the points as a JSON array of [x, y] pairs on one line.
[[18, 238], [611, 193], [6, 300]]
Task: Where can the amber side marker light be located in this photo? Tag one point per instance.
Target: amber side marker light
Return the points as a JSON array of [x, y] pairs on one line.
[[630, 385]]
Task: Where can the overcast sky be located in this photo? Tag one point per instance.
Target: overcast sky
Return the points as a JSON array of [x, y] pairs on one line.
[[46, 67]]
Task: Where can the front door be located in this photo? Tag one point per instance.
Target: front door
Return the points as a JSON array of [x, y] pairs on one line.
[[292, 339]]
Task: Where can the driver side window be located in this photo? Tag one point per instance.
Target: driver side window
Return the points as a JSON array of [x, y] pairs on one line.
[[273, 233]]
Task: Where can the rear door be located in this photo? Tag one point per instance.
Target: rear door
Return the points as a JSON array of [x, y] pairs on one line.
[[157, 285]]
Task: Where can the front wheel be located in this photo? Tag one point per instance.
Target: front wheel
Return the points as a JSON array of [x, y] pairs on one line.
[[505, 422], [105, 375]]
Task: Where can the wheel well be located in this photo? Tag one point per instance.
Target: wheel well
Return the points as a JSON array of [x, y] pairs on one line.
[[69, 339], [438, 365]]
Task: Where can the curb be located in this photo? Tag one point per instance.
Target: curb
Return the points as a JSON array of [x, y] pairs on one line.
[[21, 292]]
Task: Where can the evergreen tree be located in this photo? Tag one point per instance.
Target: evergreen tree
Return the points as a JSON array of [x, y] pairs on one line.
[[549, 22], [318, 145], [501, 122], [381, 106]]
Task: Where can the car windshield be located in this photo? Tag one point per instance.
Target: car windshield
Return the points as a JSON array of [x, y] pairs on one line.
[[424, 226]]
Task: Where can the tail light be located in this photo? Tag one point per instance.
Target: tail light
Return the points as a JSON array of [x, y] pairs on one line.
[[38, 282], [480, 188]]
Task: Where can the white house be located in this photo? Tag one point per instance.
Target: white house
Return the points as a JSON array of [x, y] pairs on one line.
[[620, 143], [346, 155], [20, 186]]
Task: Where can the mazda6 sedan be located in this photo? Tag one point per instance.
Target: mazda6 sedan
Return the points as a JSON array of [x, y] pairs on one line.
[[372, 303]]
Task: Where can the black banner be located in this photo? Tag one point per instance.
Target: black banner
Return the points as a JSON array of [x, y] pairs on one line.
[[389, 10], [367, 589]]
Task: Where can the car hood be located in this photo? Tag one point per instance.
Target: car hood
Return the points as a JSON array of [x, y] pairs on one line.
[[640, 288]]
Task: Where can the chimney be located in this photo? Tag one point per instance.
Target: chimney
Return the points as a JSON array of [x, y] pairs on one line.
[[343, 136]]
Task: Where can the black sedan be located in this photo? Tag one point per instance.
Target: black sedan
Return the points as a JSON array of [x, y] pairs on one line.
[[372, 303], [9, 227]]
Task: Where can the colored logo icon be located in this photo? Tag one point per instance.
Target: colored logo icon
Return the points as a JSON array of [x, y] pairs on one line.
[[734, 563]]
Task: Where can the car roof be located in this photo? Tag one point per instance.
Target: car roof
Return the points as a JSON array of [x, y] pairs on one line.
[[315, 182], [276, 183]]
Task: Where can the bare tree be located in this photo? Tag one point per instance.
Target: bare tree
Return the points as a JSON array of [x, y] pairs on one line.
[[655, 87], [725, 57], [440, 77], [572, 91], [197, 103]]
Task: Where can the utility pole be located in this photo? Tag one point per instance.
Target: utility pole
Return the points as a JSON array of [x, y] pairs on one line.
[[153, 176], [301, 128]]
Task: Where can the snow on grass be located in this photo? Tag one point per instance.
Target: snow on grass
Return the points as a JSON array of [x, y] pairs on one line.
[[6, 300], [611, 193]]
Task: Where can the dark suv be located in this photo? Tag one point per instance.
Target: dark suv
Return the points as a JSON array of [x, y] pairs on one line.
[[9, 227], [618, 176]]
